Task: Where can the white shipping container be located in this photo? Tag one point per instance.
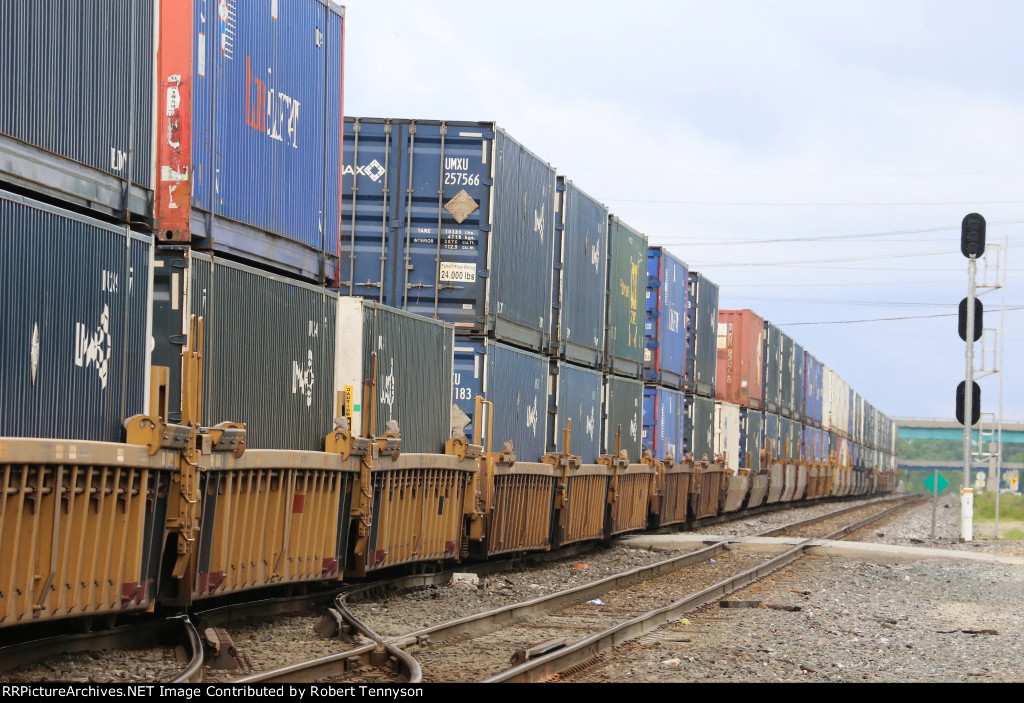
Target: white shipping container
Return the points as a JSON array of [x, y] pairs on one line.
[[727, 433]]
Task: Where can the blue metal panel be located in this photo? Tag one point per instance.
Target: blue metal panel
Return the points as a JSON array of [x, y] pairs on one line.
[[813, 381], [516, 382], [664, 412], [702, 344], [74, 339], [665, 331], [582, 264], [76, 80], [491, 200], [577, 397], [267, 120]]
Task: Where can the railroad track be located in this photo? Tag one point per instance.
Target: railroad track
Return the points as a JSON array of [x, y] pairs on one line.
[[351, 652]]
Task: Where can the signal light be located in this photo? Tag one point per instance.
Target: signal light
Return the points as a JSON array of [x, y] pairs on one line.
[[979, 311], [961, 390], [972, 236]]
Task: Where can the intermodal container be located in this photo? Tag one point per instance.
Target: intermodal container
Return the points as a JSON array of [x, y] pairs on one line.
[[751, 428], [412, 356], [439, 218], [268, 347], [702, 344], [798, 381], [664, 413], [790, 435], [665, 330], [623, 416], [786, 376], [627, 260], [575, 393], [813, 383], [727, 434], [76, 86], [699, 428], [515, 381], [580, 278], [74, 339], [771, 436], [248, 133], [740, 358], [772, 364]]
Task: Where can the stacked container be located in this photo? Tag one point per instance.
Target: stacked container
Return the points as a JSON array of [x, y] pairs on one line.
[[437, 218], [580, 277], [740, 358], [665, 331], [702, 344], [813, 383], [627, 262], [623, 416], [663, 418], [575, 393], [772, 365]]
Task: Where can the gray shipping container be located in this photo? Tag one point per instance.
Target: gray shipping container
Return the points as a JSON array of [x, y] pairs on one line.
[[76, 86], [413, 356], [516, 382], [699, 427], [751, 429], [268, 357], [575, 393], [787, 368], [623, 413], [772, 368], [627, 281], [74, 359], [702, 316], [580, 276]]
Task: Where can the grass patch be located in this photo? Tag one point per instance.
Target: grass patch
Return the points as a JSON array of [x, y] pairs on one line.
[[1011, 507], [1014, 534]]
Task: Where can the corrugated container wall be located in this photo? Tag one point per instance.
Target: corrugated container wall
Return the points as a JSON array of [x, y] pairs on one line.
[[269, 345], [76, 85], [438, 218], [727, 434], [790, 436], [699, 427], [623, 414], [740, 358], [665, 330], [751, 430], [516, 382], [772, 368], [249, 129], [786, 383], [575, 393], [664, 413], [798, 381], [771, 437], [74, 339], [580, 276], [813, 385], [702, 346], [627, 261], [413, 381]]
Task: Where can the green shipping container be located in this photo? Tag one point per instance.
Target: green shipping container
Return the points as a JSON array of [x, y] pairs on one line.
[[627, 281]]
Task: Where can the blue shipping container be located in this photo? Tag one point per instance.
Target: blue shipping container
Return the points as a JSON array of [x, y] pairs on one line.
[[665, 331], [575, 394], [664, 411], [580, 276], [452, 220], [516, 382], [74, 339], [266, 125]]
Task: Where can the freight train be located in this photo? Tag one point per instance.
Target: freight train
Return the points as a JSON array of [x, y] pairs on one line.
[[226, 369]]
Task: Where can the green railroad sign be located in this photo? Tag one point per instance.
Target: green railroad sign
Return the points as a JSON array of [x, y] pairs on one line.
[[936, 480]]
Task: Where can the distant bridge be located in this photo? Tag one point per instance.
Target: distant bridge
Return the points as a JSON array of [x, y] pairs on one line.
[[1013, 432]]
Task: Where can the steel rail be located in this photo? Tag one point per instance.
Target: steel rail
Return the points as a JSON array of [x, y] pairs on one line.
[[544, 667]]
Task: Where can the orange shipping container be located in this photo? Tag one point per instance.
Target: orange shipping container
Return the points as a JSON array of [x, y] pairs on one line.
[[740, 356]]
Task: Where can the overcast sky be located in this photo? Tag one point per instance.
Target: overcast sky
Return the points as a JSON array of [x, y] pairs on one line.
[[815, 159]]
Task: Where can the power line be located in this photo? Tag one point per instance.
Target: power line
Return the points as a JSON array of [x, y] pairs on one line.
[[826, 261], [880, 319], [733, 203]]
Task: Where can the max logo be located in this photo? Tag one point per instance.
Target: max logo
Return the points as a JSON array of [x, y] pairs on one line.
[[270, 111], [373, 170], [303, 379], [92, 346]]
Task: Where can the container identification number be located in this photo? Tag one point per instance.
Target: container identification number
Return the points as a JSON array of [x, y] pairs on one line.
[[462, 179]]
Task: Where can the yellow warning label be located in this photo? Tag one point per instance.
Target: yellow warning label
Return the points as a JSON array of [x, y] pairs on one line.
[[349, 393]]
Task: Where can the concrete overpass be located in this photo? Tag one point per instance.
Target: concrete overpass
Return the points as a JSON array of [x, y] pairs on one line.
[[1013, 432]]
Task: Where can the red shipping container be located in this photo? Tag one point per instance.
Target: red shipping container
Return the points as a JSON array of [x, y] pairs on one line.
[[740, 356]]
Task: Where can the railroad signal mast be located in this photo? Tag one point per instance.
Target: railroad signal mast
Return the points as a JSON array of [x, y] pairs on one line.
[[968, 394]]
